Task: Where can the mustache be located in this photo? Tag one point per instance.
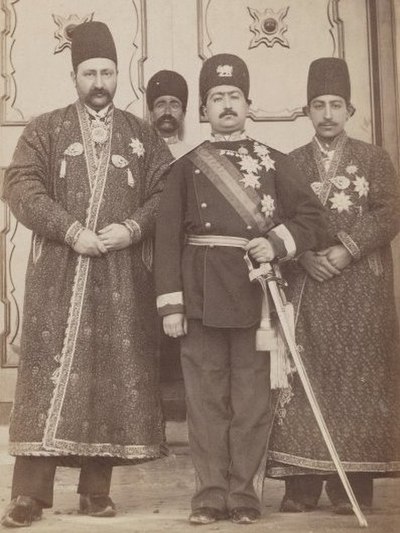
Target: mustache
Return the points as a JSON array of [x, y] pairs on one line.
[[228, 113], [99, 92], [167, 118]]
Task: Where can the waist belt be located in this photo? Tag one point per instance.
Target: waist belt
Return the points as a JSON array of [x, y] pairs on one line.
[[216, 240]]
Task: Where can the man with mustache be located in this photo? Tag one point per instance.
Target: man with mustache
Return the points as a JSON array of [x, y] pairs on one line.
[[86, 180], [167, 96], [347, 324], [228, 196]]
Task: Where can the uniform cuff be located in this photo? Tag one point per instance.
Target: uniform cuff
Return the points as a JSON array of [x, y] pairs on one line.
[[134, 229], [170, 303], [73, 233], [349, 244], [282, 242]]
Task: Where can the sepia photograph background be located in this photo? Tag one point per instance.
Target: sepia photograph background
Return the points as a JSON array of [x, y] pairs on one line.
[[277, 38]]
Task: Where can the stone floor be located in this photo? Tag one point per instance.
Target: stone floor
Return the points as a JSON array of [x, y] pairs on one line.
[[155, 497]]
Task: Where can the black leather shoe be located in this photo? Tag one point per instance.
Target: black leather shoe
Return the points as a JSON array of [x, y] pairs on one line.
[[245, 515], [21, 512], [291, 506], [100, 506], [343, 508], [206, 515]]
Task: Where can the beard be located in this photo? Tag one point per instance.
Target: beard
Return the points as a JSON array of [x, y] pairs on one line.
[[167, 124]]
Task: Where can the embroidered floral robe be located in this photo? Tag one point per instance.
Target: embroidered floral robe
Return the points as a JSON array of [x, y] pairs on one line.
[[88, 374], [347, 326]]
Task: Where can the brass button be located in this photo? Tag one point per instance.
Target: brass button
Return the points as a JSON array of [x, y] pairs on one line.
[[197, 171], [207, 225], [203, 205], [249, 228]]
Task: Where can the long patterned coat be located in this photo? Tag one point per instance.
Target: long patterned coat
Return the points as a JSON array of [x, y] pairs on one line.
[[347, 326], [88, 375]]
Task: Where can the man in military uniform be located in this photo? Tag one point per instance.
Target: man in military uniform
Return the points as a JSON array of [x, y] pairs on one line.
[[167, 96], [347, 323], [86, 179], [228, 196]]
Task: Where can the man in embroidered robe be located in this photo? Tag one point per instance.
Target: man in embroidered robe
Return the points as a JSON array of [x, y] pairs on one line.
[[167, 96], [346, 317], [226, 197], [86, 180]]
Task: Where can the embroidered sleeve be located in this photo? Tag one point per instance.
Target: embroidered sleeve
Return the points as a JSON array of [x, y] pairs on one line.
[[379, 222], [170, 303], [349, 244], [282, 242], [73, 233], [28, 183], [302, 216], [134, 229]]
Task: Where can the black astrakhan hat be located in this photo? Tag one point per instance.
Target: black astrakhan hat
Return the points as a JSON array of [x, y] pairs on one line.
[[328, 75], [92, 39], [166, 82], [224, 69]]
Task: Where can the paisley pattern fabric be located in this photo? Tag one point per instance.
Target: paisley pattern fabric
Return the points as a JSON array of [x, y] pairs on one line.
[[88, 374], [347, 327]]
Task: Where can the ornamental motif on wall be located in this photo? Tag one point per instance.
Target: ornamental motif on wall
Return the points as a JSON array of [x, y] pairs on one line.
[[268, 27], [65, 27]]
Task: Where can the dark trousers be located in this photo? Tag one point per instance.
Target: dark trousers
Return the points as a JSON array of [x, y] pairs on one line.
[[34, 477], [308, 488], [227, 388]]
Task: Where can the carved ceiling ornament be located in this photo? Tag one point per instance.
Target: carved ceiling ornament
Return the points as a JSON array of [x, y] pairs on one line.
[[65, 26], [268, 27]]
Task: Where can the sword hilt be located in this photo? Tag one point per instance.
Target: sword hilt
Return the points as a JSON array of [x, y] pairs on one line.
[[264, 271]]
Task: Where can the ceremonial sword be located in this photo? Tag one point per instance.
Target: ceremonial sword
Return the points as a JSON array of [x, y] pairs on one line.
[[265, 275]]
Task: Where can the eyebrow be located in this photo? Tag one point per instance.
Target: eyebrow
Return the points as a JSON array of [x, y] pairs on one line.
[[221, 93], [90, 70], [329, 101]]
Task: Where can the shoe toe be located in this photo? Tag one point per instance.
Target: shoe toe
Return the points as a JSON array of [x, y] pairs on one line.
[[245, 515], [344, 508], [206, 515], [291, 506], [21, 512]]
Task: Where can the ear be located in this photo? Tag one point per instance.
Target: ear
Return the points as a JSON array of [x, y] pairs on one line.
[[203, 111], [306, 110], [73, 77]]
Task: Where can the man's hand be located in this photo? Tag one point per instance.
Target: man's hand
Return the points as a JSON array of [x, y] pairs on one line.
[[175, 325], [261, 250], [338, 256], [318, 266], [115, 237], [88, 243]]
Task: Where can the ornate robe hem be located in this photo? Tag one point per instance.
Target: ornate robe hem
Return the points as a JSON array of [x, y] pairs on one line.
[[298, 465], [68, 448]]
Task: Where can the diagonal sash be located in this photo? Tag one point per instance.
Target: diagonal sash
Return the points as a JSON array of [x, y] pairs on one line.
[[225, 177], [326, 176]]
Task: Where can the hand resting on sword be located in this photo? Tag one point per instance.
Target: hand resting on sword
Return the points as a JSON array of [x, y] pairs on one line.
[[261, 250]]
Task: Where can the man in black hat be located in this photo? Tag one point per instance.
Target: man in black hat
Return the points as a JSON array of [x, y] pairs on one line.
[[167, 96], [86, 180], [347, 322], [229, 196]]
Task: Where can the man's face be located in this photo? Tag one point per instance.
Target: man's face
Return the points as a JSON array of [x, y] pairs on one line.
[[167, 115], [329, 115], [96, 82], [226, 109]]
